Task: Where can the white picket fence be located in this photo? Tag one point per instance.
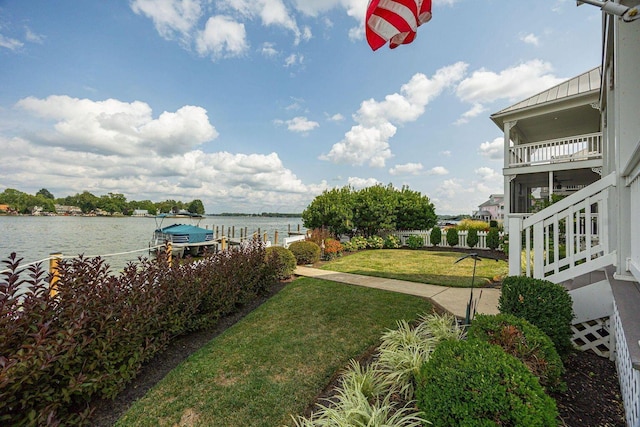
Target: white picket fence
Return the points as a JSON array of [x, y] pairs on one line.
[[426, 236]]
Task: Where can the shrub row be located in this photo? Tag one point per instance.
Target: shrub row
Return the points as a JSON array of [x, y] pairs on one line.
[[499, 375], [90, 339]]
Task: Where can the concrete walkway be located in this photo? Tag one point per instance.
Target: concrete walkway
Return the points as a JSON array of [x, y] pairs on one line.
[[453, 300]]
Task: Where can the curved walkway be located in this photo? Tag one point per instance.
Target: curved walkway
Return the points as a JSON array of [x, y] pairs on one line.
[[453, 300]]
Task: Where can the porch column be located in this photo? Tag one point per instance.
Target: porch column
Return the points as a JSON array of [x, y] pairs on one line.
[[507, 179], [550, 184]]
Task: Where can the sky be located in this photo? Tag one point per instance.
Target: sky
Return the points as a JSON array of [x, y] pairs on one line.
[[259, 106]]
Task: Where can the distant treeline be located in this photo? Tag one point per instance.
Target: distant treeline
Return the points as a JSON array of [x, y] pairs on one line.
[[111, 203], [264, 214]]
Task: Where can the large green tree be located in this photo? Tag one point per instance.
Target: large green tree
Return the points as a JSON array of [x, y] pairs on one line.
[[45, 193], [196, 207], [333, 210], [414, 211], [375, 210], [369, 211]]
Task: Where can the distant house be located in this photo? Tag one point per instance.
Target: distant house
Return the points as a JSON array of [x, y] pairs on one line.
[[492, 209], [140, 212], [4, 208], [67, 210]]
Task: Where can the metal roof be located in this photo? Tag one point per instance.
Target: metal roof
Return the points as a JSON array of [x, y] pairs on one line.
[[584, 83]]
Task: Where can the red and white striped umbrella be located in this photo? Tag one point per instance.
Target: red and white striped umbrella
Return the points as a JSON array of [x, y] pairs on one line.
[[395, 21]]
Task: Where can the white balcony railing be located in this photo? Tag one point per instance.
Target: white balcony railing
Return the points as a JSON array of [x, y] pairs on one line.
[[569, 149], [565, 240]]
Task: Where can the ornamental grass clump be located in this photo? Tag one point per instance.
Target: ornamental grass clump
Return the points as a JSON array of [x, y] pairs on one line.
[[474, 383], [364, 398], [524, 341], [544, 304], [404, 350]]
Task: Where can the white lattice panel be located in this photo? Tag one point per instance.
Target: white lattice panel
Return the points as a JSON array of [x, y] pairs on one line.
[[629, 377], [593, 335]]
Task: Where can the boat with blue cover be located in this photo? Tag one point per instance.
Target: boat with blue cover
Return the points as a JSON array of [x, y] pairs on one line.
[[185, 239]]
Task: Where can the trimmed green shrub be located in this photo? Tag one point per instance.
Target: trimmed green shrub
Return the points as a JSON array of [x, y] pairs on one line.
[[472, 238], [452, 236], [375, 242], [284, 261], [493, 239], [391, 242], [435, 236], [306, 252], [473, 383], [523, 340], [415, 242], [544, 304], [493, 224]]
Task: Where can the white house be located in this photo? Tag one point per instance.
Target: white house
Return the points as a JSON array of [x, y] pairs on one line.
[[583, 136]]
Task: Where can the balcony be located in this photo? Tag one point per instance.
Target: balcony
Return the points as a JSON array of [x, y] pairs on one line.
[[554, 151]]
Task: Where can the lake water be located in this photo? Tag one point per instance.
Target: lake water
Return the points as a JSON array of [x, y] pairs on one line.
[[36, 238]]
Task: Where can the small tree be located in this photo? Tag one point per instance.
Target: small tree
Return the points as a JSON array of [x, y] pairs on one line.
[[452, 236], [493, 238], [472, 238], [436, 236]]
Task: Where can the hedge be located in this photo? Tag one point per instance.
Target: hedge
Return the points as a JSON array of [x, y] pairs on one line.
[[57, 353]]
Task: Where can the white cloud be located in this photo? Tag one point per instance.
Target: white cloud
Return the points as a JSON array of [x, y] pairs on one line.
[[113, 127], [475, 111], [494, 150], [301, 124], [171, 17], [33, 37], [222, 37], [358, 183], [269, 49], [9, 43], [368, 140], [406, 169], [114, 146], [293, 59], [530, 39], [438, 170], [445, 153], [336, 117], [512, 83], [488, 174]]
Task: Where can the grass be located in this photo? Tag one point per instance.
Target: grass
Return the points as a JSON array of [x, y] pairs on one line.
[[434, 268], [275, 361]]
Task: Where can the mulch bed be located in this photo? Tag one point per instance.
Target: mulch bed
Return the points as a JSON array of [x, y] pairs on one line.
[[592, 397]]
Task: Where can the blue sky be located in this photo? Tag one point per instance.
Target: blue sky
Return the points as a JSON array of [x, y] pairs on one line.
[[255, 106]]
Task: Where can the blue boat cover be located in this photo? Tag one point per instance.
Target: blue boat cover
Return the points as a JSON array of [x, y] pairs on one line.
[[195, 234]]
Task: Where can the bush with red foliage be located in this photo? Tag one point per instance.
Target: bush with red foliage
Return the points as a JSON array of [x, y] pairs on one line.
[[57, 352]]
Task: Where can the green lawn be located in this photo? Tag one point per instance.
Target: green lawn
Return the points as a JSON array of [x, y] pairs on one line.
[[432, 267], [277, 359]]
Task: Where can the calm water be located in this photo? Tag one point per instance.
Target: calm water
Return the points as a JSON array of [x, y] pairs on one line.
[[35, 238]]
